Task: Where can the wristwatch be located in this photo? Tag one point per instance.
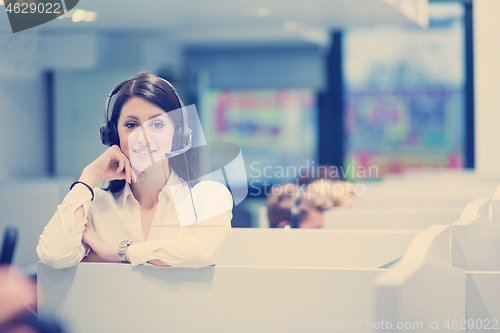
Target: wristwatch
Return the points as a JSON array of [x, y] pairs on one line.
[[122, 249]]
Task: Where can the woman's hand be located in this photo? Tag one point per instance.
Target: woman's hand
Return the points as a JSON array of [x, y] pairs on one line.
[[92, 257], [101, 250], [157, 263], [111, 165]]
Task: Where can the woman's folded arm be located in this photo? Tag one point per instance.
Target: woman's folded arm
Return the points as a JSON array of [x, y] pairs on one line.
[[60, 244], [198, 250]]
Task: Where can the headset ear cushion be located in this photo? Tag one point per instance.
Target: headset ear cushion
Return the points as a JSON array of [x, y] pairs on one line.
[[177, 143], [104, 135], [113, 134]]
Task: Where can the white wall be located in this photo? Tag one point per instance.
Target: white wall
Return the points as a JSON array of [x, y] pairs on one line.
[[23, 134], [23, 139], [79, 113], [487, 85], [87, 66]]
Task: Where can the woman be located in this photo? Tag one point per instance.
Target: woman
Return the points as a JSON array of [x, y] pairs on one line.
[[148, 214]]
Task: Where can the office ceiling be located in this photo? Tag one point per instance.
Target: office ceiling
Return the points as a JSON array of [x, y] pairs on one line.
[[208, 21]]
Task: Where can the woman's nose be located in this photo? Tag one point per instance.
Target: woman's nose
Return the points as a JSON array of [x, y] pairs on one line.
[[139, 136]]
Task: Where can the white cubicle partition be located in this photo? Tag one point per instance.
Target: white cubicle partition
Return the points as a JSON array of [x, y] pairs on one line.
[[429, 189], [314, 248], [483, 302], [403, 202], [495, 212], [403, 218], [495, 208], [407, 216], [29, 205], [118, 298], [480, 206], [476, 248], [496, 194], [423, 289], [441, 193], [475, 244], [265, 281]]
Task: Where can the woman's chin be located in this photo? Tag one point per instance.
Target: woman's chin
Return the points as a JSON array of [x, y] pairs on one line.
[[142, 164], [139, 168], [149, 175]]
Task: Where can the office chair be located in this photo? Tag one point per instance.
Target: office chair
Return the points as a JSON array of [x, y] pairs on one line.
[[8, 245]]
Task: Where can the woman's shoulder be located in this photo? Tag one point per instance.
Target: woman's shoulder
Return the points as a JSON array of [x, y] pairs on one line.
[[212, 191], [210, 186], [211, 199]]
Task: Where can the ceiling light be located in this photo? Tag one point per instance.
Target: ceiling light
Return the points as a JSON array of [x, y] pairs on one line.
[[1, 3], [90, 16], [289, 26], [259, 12], [263, 11], [78, 15]]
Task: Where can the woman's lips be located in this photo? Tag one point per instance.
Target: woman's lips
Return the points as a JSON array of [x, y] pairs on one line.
[[144, 152]]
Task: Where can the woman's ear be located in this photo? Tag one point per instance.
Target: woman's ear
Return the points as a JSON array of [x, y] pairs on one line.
[[283, 223]]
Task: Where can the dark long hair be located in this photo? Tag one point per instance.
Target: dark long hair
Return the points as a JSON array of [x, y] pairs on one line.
[[155, 90]]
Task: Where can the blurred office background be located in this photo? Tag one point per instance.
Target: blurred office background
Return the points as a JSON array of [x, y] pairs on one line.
[[394, 84]]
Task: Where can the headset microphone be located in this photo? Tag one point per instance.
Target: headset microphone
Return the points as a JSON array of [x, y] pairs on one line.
[[189, 145], [294, 219]]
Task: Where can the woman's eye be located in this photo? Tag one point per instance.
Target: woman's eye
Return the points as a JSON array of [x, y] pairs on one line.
[[131, 125], [157, 125]]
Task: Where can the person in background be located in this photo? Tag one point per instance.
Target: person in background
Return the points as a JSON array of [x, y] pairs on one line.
[[302, 204], [17, 293]]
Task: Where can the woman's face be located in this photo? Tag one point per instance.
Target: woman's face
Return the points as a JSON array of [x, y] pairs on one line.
[[146, 133]]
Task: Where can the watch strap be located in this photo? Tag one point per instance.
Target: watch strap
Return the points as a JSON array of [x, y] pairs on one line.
[[122, 249]]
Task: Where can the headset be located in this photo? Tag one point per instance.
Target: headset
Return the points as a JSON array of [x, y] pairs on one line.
[[294, 219], [182, 141]]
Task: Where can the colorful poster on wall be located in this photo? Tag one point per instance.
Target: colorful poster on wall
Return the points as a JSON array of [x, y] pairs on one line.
[[274, 128], [404, 98]]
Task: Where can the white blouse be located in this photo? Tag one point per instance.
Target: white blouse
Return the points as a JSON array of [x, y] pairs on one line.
[[180, 236]]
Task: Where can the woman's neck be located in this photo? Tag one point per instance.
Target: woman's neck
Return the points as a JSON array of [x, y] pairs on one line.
[[150, 182], [147, 197]]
